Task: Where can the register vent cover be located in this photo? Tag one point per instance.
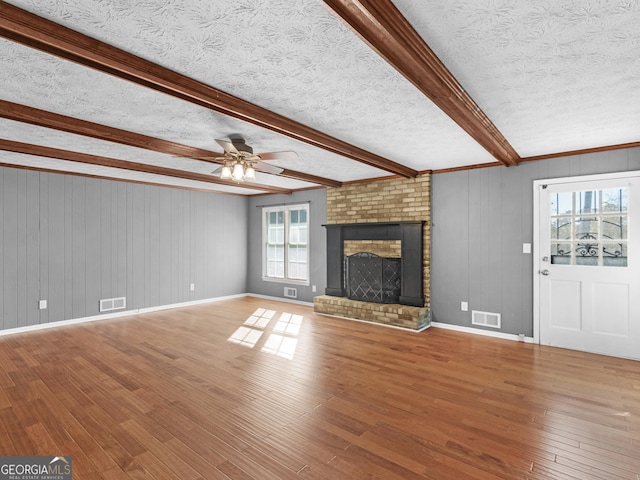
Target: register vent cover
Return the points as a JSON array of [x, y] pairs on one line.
[[108, 304], [290, 292], [485, 319]]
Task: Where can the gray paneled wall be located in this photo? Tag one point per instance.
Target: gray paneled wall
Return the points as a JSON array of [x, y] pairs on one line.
[[481, 218], [317, 199], [73, 241]]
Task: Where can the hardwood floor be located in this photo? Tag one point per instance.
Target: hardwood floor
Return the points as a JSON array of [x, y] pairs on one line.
[[252, 388]]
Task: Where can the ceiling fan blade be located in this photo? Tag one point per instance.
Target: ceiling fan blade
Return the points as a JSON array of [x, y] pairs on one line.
[[266, 168], [217, 170], [289, 155], [227, 146]]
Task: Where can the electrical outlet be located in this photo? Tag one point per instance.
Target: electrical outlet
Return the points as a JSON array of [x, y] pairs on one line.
[[313, 288], [464, 306], [42, 304], [526, 248], [192, 287]]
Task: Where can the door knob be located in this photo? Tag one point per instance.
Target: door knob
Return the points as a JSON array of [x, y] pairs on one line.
[[544, 272]]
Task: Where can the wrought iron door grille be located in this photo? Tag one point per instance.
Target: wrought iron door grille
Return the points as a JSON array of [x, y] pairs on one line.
[[371, 278]]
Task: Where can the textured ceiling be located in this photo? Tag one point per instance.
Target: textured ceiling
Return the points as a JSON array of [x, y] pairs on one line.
[[551, 76]]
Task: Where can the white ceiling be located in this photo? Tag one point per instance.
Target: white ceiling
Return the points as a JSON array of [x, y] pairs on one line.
[[553, 76]]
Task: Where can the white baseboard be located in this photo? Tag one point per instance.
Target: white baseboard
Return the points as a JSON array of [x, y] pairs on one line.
[[486, 333], [280, 299], [125, 313]]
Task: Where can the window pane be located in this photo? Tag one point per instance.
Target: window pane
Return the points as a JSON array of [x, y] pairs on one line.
[[586, 202], [562, 203], [587, 249], [303, 235], [293, 234], [614, 227], [561, 228], [614, 254], [561, 253], [294, 216], [615, 200], [586, 228]]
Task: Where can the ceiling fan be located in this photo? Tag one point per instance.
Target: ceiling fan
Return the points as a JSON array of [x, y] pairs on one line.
[[239, 163]]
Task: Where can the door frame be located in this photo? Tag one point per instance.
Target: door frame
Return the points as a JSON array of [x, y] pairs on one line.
[[537, 187]]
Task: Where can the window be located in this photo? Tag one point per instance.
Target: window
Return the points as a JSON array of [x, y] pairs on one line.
[[286, 243], [590, 228]]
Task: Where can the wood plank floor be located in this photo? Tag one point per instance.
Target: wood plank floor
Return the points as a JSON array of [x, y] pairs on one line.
[[253, 388]]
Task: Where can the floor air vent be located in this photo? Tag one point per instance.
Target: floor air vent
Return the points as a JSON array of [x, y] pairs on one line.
[[485, 319], [108, 304], [290, 292]]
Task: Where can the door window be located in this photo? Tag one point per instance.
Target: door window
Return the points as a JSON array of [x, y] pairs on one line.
[[590, 227]]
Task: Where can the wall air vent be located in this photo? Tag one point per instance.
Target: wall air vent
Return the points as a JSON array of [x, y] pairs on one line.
[[485, 319], [108, 304], [290, 292]]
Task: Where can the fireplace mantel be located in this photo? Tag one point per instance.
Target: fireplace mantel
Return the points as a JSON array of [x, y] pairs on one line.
[[410, 235]]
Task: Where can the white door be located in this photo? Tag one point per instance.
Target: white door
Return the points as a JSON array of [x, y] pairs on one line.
[[588, 265]]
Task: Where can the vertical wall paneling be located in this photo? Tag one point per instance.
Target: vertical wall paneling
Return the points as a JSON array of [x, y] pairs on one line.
[[73, 241], [153, 238], [2, 254], [524, 296], [452, 244], [138, 288], [497, 205], [22, 248], [105, 230], [511, 246], [633, 159], [79, 242], [197, 246], [67, 245], [33, 248], [10, 250], [94, 246], [163, 232], [179, 291], [53, 281], [121, 264]]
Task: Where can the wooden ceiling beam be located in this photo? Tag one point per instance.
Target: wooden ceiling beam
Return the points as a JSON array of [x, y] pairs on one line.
[[58, 154], [43, 118], [28, 29], [115, 179], [380, 24]]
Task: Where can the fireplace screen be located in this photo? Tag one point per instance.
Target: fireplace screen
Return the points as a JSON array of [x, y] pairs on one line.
[[371, 278]]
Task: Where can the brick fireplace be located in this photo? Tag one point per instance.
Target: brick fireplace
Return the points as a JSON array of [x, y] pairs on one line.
[[388, 218]]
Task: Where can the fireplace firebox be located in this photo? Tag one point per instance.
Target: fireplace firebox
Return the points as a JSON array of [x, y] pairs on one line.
[[372, 278]]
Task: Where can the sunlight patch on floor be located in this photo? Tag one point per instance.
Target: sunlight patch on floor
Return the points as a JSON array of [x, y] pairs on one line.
[[281, 340]]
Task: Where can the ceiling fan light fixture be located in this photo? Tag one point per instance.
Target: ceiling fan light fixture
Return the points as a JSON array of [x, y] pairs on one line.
[[238, 172], [226, 172], [239, 163]]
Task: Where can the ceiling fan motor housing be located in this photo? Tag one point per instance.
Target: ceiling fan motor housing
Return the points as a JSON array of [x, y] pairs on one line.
[[243, 147]]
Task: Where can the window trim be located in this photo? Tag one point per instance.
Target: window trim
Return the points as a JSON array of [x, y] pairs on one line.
[[286, 209]]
